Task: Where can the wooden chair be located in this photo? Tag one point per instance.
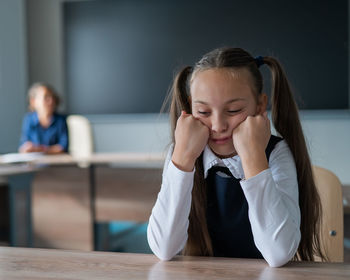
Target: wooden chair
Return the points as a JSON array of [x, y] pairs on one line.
[[80, 136], [332, 229]]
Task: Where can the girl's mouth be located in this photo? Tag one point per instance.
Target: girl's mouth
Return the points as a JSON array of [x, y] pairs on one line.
[[221, 141]]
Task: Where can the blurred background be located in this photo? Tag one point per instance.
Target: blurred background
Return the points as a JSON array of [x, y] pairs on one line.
[[113, 61]]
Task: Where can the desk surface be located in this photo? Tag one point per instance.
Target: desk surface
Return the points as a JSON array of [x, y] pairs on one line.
[[24, 264], [15, 169], [154, 159]]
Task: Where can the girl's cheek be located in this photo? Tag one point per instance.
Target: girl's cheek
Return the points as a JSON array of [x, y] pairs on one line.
[[204, 121], [237, 120], [36, 104]]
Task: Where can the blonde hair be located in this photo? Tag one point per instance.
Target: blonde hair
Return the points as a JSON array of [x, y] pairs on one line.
[[32, 92]]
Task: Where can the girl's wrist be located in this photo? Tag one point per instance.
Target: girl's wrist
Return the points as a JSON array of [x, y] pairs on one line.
[[42, 148], [254, 163], [183, 161]]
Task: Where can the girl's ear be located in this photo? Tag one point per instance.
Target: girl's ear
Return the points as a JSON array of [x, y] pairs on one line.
[[262, 103]]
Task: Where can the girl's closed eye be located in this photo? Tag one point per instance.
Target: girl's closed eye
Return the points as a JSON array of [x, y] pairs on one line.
[[204, 113], [234, 111]]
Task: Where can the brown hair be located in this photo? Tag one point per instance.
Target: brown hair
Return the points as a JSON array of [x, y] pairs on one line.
[[33, 90], [285, 118]]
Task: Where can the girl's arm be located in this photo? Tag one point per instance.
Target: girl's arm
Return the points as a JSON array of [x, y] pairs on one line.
[[54, 149], [274, 212], [168, 223], [25, 145]]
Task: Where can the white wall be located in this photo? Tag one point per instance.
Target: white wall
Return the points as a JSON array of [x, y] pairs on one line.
[[327, 135], [13, 72], [130, 133]]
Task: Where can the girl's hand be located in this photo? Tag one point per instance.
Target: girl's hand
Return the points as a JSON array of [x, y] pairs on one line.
[[250, 140], [27, 147], [191, 137]]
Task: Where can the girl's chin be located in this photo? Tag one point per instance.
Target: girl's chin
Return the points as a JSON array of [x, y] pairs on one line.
[[224, 153]]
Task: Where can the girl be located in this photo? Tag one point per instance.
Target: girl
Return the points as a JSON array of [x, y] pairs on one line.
[[43, 129], [229, 188]]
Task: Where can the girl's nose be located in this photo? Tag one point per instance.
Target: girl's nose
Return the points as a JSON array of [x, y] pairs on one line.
[[219, 124]]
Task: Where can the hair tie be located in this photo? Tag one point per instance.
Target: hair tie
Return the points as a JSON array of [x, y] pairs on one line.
[[259, 60]]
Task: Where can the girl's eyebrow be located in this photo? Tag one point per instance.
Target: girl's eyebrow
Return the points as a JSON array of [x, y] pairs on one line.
[[227, 102]]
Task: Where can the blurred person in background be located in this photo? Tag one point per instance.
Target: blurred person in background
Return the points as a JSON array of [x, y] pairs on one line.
[[43, 129]]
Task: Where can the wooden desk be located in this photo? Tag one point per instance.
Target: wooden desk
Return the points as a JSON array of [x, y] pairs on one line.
[[117, 159], [29, 263], [19, 178], [10, 169], [91, 162], [120, 159]]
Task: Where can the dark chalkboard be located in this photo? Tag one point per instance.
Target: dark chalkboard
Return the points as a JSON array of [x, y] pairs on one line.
[[121, 55]]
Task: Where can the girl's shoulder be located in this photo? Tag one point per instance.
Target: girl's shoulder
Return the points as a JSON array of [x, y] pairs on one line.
[[30, 114], [31, 117], [274, 140], [281, 154]]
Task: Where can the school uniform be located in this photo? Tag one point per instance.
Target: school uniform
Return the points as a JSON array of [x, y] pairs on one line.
[[55, 133], [254, 218]]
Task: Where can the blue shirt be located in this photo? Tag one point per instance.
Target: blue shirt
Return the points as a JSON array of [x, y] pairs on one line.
[[56, 133]]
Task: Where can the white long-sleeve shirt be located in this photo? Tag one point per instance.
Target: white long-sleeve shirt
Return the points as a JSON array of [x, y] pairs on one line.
[[272, 197]]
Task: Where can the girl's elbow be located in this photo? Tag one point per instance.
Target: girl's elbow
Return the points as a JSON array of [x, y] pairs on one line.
[[163, 256], [281, 256], [279, 253], [162, 252], [277, 262]]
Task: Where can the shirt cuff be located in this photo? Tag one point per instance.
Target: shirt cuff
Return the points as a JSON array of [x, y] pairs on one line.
[[175, 172]]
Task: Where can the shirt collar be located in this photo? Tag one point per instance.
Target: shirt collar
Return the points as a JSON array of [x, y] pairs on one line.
[[233, 164], [36, 118]]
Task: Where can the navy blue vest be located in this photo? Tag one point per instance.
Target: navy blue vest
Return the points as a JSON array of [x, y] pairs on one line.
[[227, 213]]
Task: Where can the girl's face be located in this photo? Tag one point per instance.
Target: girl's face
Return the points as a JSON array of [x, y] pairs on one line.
[[43, 102], [221, 99]]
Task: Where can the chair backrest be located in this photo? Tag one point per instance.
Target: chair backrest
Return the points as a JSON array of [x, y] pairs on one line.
[[332, 228], [81, 142]]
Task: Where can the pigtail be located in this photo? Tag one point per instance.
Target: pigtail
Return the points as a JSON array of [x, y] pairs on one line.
[[286, 120], [198, 242], [179, 94]]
